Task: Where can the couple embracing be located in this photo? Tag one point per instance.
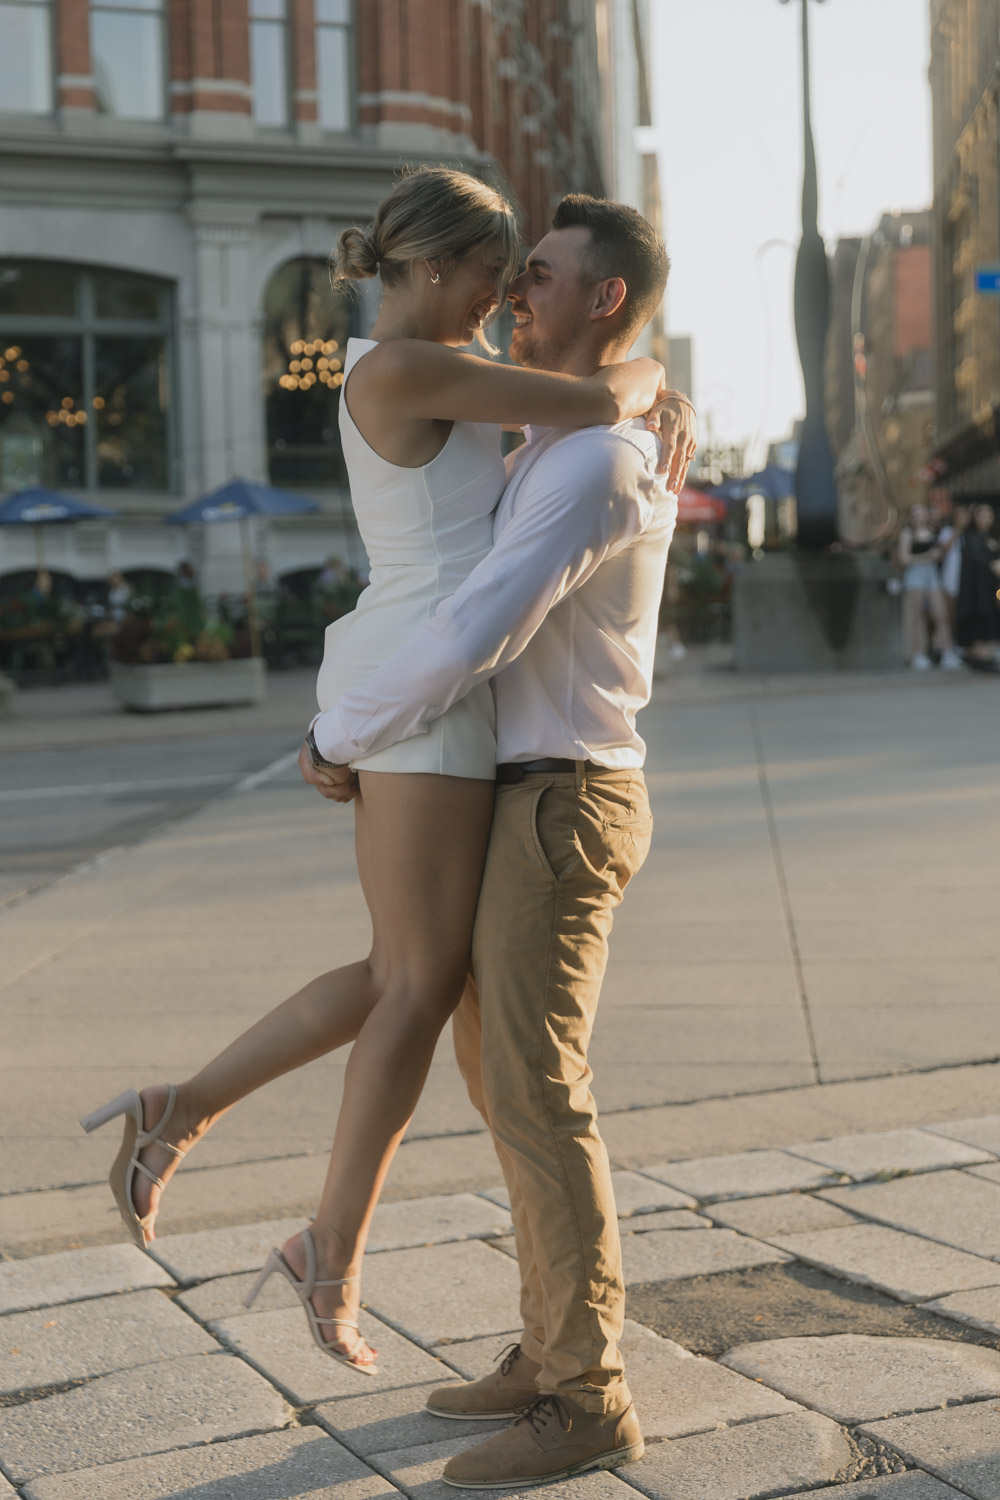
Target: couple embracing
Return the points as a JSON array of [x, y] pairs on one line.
[[478, 708]]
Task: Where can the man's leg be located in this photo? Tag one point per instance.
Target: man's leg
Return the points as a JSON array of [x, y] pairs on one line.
[[562, 850], [513, 1382], [467, 1031]]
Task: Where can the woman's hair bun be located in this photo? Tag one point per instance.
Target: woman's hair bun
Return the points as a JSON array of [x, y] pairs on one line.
[[355, 258]]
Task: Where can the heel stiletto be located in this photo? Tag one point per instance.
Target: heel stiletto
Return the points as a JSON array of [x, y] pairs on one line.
[[127, 1163], [276, 1263]]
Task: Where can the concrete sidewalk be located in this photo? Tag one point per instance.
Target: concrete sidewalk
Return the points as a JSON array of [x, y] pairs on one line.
[[897, 1233], [811, 953], [811, 950]]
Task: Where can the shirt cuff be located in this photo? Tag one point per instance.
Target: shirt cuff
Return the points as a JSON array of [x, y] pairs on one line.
[[331, 737]]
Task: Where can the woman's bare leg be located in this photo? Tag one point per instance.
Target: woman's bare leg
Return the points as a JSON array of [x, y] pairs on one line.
[[326, 1013], [937, 608], [914, 629], [428, 837]]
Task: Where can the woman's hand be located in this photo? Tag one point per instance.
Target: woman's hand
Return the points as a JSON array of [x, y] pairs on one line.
[[676, 421], [633, 386], [338, 784]]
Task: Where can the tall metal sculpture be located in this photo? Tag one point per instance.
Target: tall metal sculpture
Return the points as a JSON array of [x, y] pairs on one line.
[[816, 487]]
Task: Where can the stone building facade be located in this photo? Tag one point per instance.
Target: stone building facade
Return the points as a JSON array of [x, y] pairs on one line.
[[173, 174], [965, 84]]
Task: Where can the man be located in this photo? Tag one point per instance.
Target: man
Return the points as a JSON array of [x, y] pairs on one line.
[[563, 613]]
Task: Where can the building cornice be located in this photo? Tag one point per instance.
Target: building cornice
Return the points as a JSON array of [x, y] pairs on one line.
[[351, 155]]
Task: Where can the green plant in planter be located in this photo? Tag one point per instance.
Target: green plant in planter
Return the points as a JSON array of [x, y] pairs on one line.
[[176, 628]]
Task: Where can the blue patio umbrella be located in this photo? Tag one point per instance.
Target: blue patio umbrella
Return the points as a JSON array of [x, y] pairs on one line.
[[731, 489], [238, 501], [37, 507], [771, 482]]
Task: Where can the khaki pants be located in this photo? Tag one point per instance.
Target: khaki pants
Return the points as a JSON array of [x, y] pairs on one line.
[[562, 850]]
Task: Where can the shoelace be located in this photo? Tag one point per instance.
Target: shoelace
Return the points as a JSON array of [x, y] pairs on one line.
[[539, 1409], [510, 1357]]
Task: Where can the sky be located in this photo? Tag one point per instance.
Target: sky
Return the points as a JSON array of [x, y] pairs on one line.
[[727, 106]]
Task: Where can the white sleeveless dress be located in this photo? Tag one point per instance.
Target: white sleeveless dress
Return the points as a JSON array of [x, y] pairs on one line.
[[424, 530]]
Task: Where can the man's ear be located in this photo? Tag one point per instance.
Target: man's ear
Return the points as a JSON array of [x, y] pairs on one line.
[[608, 298]]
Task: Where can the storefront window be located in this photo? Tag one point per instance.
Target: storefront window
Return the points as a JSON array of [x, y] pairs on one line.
[[126, 47], [306, 328], [26, 56], [84, 379], [269, 61], [333, 64]]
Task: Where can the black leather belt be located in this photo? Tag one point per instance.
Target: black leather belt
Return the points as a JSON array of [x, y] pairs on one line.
[[511, 771]]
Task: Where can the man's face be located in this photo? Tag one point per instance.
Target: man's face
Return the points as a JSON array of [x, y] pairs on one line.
[[551, 300]]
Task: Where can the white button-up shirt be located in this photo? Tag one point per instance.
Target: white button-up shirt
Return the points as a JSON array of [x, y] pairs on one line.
[[562, 613]]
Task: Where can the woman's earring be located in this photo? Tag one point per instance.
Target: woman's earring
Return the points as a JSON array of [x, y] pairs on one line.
[[436, 277]]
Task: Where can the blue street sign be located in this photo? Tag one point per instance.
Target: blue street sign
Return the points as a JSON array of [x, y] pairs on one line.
[[988, 281]]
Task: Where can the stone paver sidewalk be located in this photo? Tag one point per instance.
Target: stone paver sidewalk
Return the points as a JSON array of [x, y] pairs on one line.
[[132, 1377]]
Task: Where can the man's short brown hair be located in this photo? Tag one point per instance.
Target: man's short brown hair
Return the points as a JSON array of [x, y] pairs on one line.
[[622, 243]]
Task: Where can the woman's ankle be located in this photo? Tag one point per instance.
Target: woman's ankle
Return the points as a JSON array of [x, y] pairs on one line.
[[194, 1117], [335, 1250]]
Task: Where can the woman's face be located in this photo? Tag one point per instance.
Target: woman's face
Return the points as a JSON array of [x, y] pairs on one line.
[[919, 517], [468, 292], [984, 517]]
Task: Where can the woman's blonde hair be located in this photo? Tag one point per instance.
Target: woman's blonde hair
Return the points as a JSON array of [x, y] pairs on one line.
[[432, 213]]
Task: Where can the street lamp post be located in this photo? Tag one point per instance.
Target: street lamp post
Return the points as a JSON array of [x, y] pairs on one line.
[[816, 487]]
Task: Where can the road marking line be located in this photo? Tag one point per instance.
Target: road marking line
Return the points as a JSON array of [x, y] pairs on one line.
[[257, 778], [109, 788]]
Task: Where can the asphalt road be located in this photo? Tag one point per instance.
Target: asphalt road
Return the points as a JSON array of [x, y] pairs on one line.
[[59, 808]]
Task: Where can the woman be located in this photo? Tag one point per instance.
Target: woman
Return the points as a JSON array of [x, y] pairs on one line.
[[977, 614], [923, 596], [425, 484], [952, 539]]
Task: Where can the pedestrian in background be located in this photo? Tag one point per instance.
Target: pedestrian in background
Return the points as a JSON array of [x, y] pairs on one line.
[[924, 604], [951, 539], [977, 618], [119, 594]]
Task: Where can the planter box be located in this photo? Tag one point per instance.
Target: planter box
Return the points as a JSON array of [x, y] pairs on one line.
[[189, 684]]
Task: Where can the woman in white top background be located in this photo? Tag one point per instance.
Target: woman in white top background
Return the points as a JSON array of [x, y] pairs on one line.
[[426, 476], [925, 608]]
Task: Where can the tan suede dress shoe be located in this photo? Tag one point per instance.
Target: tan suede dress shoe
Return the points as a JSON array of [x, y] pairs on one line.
[[497, 1394], [552, 1439]]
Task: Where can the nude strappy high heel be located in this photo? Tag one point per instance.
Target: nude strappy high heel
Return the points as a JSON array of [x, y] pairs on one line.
[[127, 1163], [276, 1262]]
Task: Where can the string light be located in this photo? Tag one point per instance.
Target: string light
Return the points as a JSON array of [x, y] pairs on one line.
[[8, 397], [98, 403], [304, 371]]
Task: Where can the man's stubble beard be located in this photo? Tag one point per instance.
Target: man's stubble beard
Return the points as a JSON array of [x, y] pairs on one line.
[[536, 354]]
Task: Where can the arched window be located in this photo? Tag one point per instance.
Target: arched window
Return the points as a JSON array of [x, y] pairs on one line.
[[306, 328], [85, 378]]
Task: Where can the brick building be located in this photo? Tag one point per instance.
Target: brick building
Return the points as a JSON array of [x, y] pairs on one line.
[[965, 85], [879, 373], [173, 174]]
